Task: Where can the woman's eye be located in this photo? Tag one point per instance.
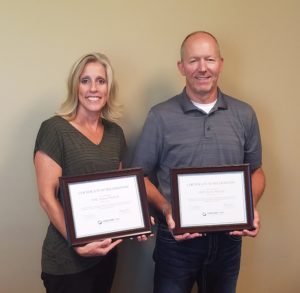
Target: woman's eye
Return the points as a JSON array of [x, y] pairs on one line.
[[84, 80], [101, 81]]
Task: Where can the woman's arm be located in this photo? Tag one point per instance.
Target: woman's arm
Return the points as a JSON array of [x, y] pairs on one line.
[[47, 173]]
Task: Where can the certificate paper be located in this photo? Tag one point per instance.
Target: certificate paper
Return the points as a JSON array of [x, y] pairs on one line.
[[212, 199], [105, 205]]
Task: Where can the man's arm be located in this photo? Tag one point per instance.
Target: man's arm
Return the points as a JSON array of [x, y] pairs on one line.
[[157, 200], [258, 187]]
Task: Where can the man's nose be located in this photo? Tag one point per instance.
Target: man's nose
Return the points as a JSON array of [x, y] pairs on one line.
[[202, 65]]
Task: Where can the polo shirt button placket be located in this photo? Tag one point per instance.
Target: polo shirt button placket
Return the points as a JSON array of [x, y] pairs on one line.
[[207, 128]]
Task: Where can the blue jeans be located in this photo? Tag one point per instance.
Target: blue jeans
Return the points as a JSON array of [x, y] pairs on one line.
[[213, 261]]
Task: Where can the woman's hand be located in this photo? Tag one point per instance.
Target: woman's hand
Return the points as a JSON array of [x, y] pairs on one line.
[[98, 248]]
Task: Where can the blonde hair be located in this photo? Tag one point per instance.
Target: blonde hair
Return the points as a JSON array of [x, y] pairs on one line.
[[68, 109]]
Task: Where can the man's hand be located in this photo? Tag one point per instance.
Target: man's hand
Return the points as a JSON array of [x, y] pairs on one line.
[[167, 211], [143, 237], [251, 233]]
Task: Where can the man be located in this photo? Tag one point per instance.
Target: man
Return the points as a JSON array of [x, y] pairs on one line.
[[199, 127]]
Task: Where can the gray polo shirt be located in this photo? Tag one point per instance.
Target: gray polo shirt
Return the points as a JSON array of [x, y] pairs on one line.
[[177, 134]]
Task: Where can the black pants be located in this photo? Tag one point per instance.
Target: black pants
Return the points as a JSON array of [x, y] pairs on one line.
[[97, 279]]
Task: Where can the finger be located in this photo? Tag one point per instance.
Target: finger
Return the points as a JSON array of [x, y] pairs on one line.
[[252, 233], [113, 244], [152, 220], [181, 237], [195, 235], [142, 238], [170, 222], [236, 233], [103, 243]]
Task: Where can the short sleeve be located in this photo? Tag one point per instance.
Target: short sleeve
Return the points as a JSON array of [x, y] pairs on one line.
[[253, 148], [48, 141], [123, 146], [148, 149]]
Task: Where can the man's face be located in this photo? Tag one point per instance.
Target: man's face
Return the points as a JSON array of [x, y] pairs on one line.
[[201, 65]]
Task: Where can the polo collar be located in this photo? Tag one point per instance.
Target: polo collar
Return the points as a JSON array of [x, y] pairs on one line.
[[188, 106]]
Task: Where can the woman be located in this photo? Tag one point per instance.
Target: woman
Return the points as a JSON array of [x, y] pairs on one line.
[[82, 138]]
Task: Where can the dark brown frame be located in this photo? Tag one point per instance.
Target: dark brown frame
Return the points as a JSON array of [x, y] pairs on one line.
[[213, 228], [64, 187]]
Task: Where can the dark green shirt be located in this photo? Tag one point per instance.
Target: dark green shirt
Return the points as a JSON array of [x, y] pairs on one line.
[[76, 155]]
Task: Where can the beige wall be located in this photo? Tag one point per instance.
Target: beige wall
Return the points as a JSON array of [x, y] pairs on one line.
[[261, 44]]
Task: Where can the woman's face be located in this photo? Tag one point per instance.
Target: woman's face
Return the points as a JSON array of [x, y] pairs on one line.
[[92, 88]]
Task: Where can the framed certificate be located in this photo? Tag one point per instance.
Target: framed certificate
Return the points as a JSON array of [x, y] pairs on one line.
[[212, 199], [105, 205]]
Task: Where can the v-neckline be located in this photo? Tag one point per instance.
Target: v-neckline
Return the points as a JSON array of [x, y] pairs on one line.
[[85, 137]]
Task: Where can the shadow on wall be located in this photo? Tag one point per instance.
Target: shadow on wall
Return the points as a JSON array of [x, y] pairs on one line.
[[22, 220], [156, 91], [135, 265]]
